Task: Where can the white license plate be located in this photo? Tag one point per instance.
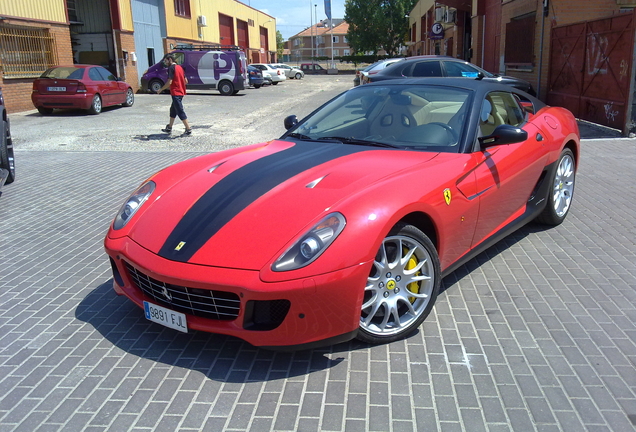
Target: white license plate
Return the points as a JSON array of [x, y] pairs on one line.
[[56, 88], [169, 318]]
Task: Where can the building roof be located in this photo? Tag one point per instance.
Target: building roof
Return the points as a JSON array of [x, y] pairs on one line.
[[323, 28]]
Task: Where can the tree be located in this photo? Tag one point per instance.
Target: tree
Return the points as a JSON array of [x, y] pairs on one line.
[[280, 44], [377, 24]]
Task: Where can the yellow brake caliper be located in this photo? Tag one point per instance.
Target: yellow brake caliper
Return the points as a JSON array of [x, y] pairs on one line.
[[413, 286]]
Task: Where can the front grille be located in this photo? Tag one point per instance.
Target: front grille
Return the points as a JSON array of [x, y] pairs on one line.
[[217, 305]]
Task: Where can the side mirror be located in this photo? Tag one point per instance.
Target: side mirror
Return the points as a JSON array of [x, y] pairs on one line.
[[290, 122], [504, 134]]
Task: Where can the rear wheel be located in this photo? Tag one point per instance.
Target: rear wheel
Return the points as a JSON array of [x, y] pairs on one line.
[[96, 105], [561, 190], [226, 88], [257, 85], [402, 286], [130, 98], [6, 154], [275, 82], [45, 111]]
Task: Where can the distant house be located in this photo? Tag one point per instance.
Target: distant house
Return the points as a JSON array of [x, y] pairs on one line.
[[316, 41]]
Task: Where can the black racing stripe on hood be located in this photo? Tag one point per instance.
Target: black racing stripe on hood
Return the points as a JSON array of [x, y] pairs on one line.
[[237, 190]]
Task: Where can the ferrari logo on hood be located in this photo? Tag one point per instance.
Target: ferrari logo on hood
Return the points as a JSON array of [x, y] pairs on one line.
[[180, 245], [447, 196]]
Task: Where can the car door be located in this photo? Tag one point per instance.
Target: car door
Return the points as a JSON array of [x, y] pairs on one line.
[[102, 86], [116, 88], [506, 174]]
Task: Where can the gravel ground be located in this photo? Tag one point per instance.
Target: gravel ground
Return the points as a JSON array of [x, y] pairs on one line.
[[218, 122]]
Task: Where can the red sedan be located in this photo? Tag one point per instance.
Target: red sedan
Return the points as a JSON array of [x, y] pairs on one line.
[[87, 87]]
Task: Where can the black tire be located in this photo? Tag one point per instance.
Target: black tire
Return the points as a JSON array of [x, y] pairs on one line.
[[298, 75], [275, 82], [96, 105], [226, 88], [7, 160], [257, 86], [45, 111], [130, 98], [154, 86], [406, 288], [561, 190]]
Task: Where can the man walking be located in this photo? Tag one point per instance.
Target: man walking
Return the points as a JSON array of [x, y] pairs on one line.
[[177, 84]]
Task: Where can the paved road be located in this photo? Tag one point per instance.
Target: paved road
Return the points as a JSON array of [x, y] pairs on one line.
[[536, 334]]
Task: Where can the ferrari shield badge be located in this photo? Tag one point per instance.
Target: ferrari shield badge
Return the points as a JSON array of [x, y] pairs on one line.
[[447, 196], [179, 246]]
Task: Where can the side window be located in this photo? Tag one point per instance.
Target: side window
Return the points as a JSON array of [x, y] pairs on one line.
[[93, 73], [500, 108], [106, 75], [427, 69], [456, 69]]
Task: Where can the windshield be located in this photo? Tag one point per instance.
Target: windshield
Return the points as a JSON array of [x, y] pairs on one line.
[[422, 117]]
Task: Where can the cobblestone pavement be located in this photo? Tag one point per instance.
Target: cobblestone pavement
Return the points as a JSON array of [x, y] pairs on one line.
[[537, 333]]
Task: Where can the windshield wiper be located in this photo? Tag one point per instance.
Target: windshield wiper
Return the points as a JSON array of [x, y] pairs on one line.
[[356, 141], [300, 136]]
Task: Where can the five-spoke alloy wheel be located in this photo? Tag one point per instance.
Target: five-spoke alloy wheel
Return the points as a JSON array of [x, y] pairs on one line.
[[561, 191]]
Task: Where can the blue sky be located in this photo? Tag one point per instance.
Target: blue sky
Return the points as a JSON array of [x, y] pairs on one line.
[[294, 16]]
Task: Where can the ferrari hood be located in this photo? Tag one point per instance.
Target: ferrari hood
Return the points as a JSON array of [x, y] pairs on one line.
[[242, 210]]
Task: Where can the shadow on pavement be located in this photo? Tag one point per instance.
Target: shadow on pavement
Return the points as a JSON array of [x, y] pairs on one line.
[[590, 130], [219, 357]]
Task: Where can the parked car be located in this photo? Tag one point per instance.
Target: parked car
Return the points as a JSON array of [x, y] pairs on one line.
[[442, 66], [362, 75], [287, 243], [87, 87], [275, 75], [255, 76], [312, 69], [205, 68], [290, 71], [7, 161]]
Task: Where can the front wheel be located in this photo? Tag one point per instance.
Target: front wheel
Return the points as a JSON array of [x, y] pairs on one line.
[[256, 86], [96, 105], [130, 98], [275, 82], [559, 197], [226, 88], [45, 111], [154, 86], [298, 75], [402, 286]]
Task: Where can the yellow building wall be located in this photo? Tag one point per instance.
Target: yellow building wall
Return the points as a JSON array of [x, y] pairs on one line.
[[125, 15], [50, 10], [187, 28]]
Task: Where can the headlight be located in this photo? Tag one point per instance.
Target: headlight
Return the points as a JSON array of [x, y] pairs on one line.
[[312, 244], [132, 204]]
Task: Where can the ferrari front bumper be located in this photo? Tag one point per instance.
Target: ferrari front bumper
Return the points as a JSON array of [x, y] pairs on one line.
[[294, 314]]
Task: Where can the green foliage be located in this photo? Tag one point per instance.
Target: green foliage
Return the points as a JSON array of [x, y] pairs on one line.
[[377, 24], [280, 44]]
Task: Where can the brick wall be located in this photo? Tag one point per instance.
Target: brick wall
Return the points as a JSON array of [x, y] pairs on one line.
[[127, 68], [17, 92]]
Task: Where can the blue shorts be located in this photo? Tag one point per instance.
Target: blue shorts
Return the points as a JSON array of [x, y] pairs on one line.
[[176, 109]]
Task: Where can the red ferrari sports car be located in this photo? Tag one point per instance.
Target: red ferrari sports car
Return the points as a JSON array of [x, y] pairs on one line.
[[86, 87], [345, 226]]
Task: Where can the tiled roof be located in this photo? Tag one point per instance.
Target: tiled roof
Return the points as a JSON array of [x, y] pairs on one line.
[[320, 29]]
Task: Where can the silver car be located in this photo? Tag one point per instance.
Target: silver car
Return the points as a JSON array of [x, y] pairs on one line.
[[290, 71]]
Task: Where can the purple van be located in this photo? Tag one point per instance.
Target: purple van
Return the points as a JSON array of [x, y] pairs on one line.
[[225, 70]]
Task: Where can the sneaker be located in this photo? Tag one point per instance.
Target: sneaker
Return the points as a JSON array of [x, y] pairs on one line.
[[167, 129], [188, 132]]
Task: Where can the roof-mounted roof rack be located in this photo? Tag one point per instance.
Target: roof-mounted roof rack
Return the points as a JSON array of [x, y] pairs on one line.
[[207, 47]]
